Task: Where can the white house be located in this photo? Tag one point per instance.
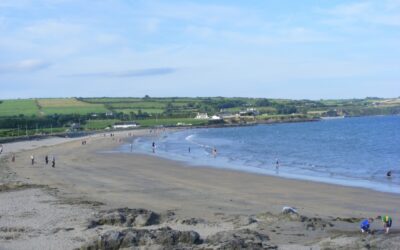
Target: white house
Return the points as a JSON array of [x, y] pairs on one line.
[[202, 116]]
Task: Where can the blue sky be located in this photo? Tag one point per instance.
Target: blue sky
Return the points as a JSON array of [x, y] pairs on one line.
[[276, 48]]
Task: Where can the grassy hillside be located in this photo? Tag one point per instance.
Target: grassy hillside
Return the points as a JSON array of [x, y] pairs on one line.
[[27, 107], [68, 106]]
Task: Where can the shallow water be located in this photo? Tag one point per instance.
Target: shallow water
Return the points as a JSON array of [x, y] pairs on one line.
[[351, 151]]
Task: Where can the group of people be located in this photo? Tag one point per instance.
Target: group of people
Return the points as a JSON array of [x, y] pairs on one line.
[[386, 220], [46, 160]]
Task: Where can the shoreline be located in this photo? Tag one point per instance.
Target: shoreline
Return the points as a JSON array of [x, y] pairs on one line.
[[384, 187], [342, 183], [215, 200]]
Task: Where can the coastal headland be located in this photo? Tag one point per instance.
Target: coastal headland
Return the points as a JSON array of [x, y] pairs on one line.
[[97, 198]]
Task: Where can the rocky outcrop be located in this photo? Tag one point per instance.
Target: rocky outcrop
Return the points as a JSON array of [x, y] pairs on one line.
[[240, 239], [126, 217], [165, 238]]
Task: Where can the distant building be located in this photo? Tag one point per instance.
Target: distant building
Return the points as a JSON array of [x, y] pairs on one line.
[[202, 116], [124, 125], [249, 111], [215, 118]]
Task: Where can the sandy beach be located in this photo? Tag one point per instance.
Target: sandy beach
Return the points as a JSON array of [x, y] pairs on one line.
[[46, 208]]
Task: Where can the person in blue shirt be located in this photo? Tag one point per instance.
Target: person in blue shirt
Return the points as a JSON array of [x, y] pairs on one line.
[[365, 224]]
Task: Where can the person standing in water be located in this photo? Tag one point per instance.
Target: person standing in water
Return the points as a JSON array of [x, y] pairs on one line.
[[32, 160], [46, 159], [277, 163], [53, 162], [214, 152], [153, 145]]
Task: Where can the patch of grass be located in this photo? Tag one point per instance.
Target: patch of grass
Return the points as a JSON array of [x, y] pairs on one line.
[[17, 107], [69, 106], [138, 105]]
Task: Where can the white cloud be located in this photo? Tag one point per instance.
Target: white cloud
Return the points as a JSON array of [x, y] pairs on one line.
[[53, 28], [27, 65], [385, 12]]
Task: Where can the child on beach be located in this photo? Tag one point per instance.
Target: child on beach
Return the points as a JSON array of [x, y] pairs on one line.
[[32, 159], [365, 224], [387, 222]]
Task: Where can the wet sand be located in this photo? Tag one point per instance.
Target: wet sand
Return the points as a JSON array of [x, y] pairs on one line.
[[94, 173]]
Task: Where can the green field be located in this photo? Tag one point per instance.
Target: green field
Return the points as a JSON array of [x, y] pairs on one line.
[[25, 107], [68, 106]]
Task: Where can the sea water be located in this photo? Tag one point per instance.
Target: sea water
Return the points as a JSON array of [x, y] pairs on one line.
[[350, 151]]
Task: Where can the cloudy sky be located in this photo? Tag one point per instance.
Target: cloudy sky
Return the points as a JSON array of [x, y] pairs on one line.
[[277, 48]]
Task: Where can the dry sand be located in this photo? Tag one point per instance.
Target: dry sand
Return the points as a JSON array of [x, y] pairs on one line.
[[219, 200]]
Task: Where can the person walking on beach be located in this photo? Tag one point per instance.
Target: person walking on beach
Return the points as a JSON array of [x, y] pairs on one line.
[[365, 224], [32, 160], [53, 162], [1, 148], [387, 222], [46, 159]]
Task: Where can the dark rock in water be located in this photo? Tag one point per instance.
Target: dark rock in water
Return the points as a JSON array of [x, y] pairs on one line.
[[241, 239], [125, 217], [166, 238]]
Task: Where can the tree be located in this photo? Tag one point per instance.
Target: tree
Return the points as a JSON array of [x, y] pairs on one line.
[[263, 103]]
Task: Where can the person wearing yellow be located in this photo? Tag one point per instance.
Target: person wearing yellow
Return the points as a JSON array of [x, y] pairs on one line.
[[387, 222]]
